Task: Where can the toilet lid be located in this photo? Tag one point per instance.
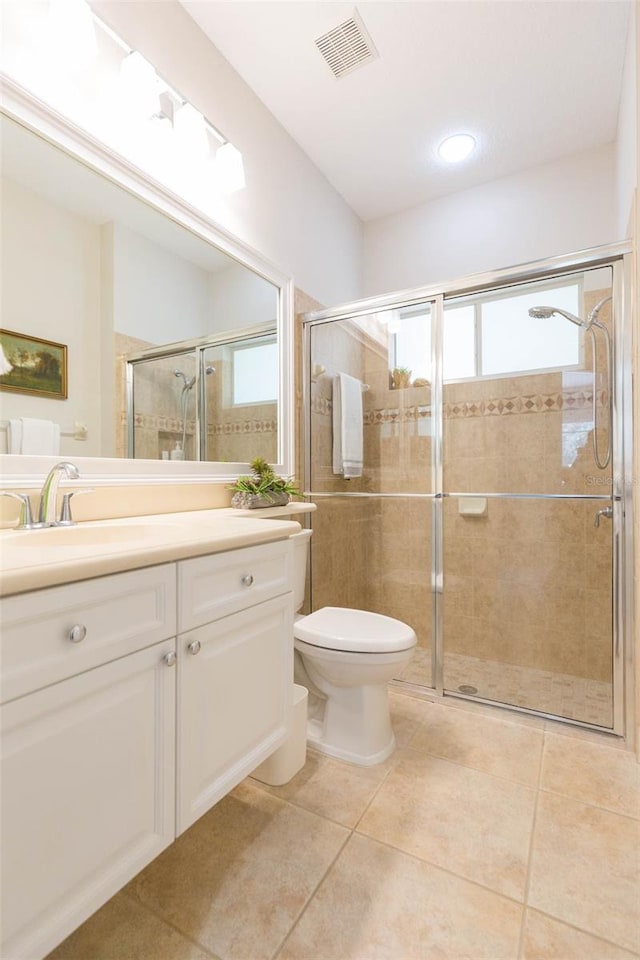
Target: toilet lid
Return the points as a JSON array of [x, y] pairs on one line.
[[340, 628]]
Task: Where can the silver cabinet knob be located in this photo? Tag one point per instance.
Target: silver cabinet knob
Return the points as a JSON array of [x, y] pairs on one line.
[[77, 633], [170, 658], [194, 647], [247, 580]]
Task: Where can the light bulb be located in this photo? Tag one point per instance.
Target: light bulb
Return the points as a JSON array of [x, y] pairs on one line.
[[229, 168], [191, 131], [456, 148], [141, 87], [71, 34]]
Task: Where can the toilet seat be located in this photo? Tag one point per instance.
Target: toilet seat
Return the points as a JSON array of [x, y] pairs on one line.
[[355, 631]]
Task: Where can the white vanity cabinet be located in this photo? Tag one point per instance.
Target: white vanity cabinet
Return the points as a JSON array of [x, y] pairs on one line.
[[117, 733], [235, 670], [88, 748]]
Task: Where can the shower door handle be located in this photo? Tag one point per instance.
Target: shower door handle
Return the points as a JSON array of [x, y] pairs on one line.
[[606, 512]]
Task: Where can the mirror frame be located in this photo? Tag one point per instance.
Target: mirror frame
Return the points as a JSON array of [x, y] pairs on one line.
[[20, 105]]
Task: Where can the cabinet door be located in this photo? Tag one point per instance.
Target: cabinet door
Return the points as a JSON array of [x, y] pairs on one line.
[[234, 701], [87, 794]]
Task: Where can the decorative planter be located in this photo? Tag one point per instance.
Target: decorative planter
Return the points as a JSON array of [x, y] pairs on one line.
[[253, 501]]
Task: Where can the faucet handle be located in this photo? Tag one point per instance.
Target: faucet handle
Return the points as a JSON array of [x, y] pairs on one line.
[[66, 520], [25, 520]]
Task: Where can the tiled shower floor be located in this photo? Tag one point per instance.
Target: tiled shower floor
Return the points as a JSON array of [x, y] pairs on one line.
[[560, 694]]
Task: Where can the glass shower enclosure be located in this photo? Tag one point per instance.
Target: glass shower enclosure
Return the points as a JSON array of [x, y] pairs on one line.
[[214, 399], [488, 512]]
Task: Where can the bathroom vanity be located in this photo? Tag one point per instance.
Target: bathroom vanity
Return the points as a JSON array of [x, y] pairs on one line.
[[131, 701]]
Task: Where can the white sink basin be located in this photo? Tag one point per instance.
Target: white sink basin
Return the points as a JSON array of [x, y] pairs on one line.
[[84, 535]]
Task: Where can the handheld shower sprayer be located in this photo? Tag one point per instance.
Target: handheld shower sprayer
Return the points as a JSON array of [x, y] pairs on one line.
[[592, 321]]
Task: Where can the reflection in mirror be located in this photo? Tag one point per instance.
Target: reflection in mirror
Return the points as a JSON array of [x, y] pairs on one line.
[[89, 265], [214, 402]]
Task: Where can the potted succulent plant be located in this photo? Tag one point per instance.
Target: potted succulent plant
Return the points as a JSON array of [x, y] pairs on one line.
[[401, 377], [263, 488]]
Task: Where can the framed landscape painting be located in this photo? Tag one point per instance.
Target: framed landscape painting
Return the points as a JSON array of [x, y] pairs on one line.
[[31, 365]]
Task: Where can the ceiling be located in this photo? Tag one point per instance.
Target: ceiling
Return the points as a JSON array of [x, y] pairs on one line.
[[532, 81]]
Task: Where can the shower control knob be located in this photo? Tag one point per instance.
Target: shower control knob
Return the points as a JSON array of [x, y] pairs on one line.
[[194, 647], [77, 633], [247, 580]]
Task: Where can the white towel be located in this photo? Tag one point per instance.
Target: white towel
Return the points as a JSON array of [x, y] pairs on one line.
[[39, 437], [347, 426]]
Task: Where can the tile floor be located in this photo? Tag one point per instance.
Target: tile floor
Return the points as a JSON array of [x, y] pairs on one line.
[[485, 837], [590, 701]]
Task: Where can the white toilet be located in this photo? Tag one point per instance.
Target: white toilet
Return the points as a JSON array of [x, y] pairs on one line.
[[347, 657]]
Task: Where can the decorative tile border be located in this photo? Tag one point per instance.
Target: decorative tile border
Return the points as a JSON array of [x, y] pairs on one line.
[[242, 426], [529, 403], [498, 407], [149, 422]]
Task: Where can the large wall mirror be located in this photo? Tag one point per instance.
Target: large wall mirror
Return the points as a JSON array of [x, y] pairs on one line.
[[176, 350]]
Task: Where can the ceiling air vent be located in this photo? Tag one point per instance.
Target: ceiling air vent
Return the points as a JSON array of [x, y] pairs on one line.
[[347, 47]]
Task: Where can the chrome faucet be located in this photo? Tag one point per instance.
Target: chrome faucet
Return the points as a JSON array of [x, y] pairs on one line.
[[49, 493]]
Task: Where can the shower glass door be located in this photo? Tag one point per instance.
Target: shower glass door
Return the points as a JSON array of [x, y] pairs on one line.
[[528, 498], [371, 547]]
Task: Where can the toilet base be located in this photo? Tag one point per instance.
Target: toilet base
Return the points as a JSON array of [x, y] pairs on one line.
[[316, 741], [355, 725]]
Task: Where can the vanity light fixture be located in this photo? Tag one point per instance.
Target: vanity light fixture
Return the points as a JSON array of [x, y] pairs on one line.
[[72, 34], [141, 86], [229, 168], [456, 148], [190, 129]]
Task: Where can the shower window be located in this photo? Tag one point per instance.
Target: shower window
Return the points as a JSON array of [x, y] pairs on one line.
[[255, 372], [493, 337]]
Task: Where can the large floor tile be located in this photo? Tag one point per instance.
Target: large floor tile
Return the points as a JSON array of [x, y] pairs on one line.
[[125, 930], [584, 869], [237, 880], [407, 714], [461, 819], [591, 772], [494, 746], [379, 904], [547, 939], [331, 788]]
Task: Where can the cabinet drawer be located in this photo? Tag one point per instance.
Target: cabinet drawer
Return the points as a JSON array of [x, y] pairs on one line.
[[214, 586], [120, 613]]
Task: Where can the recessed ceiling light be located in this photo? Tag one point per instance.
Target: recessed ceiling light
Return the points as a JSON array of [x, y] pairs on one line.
[[456, 148]]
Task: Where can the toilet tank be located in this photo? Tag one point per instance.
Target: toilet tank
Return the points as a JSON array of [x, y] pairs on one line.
[[300, 555]]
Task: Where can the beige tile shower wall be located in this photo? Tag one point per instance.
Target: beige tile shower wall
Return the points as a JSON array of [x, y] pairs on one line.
[[399, 564], [340, 552], [530, 585], [373, 554], [123, 346], [158, 410], [302, 304]]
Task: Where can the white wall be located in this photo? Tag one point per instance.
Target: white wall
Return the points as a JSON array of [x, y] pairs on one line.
[[157, 296], [240, 299], [551, 209], [627, 135], [51, 289], [288, 210]]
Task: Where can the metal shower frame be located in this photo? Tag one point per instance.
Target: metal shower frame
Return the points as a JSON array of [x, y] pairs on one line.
[[618, 258]]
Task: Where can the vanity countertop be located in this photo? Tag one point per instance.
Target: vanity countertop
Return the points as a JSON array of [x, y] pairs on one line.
[[32, 559]]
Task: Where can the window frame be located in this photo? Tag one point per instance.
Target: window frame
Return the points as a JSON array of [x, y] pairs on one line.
[[491, 296]]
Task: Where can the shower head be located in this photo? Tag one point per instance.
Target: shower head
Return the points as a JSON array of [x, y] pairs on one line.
[[593, 316], [188, 382], [543, 313]]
